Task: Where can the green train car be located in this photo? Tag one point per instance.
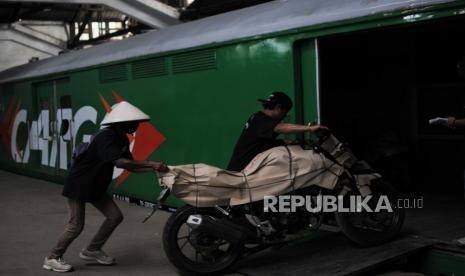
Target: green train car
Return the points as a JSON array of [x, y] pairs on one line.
[[352, 65]]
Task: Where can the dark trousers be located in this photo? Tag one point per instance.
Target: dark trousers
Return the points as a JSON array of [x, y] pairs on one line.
[[75, 225]]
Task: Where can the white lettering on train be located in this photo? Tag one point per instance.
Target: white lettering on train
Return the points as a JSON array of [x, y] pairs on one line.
[[44, 135]]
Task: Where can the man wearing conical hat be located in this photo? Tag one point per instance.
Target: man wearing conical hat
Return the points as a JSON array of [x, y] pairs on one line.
[[88, 181]]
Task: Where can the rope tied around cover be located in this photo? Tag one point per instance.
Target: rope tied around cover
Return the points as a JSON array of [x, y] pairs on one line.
[[247, 186], [292, 178], [196, 187]]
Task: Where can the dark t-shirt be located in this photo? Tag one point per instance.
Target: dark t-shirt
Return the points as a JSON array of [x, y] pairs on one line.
[[257, 136], [89, 178]]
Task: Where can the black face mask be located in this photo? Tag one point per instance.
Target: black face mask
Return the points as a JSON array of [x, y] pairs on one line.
[[131, 127], [128, 127]]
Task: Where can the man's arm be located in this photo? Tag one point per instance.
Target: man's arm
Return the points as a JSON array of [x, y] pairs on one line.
[[140, 165], [286, 128], [453, 122]]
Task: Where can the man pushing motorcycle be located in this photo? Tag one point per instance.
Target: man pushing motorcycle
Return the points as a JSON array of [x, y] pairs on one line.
[[261, 130], [88, 180]]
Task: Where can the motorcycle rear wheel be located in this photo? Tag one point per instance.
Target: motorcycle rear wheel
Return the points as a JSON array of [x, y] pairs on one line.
[[370, 229], [201, 259]]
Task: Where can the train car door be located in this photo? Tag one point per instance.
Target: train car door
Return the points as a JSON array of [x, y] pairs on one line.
[[52, 130], [307, 81]]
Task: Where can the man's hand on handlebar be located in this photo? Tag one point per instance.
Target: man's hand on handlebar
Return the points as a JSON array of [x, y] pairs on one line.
[[316, 128], [287, 128]]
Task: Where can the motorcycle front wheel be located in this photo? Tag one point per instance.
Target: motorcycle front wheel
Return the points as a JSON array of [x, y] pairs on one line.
[[195, 252], [373, 228]]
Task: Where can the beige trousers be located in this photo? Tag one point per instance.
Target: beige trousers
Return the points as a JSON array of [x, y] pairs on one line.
[[75, 225]]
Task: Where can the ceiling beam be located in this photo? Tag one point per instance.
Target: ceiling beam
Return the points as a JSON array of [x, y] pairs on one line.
[[152, 13], [107, 36], [34, 10], [38, 35], [82, 27], [37, 43]]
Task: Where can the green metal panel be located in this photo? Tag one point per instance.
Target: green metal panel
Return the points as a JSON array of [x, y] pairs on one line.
[[201, 112], [437, 262], [306, 78], [46, 107]]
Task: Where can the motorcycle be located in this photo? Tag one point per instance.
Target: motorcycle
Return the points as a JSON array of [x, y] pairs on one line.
[[209, 240]]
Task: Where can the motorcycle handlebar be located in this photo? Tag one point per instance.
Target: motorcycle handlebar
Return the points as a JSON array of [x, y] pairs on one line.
[[322, 132]]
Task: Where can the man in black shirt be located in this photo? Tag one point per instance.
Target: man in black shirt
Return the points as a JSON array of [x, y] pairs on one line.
[[89, 179], [262, 128]]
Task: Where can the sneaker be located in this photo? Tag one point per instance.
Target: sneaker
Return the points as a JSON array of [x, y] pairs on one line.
[[58, 265], [99, 256]]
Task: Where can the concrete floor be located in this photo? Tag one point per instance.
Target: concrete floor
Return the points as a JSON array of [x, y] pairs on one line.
[[33, 214]]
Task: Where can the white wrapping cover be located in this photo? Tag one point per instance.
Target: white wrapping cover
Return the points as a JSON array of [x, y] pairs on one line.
[[273, 172]]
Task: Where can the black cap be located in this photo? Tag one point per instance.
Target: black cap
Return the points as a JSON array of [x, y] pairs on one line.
[[278, 98]]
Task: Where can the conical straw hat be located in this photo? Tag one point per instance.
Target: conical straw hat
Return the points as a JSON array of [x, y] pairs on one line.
[[124, 112]]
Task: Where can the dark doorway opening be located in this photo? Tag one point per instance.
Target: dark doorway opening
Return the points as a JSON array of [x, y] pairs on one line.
[[380, 87]]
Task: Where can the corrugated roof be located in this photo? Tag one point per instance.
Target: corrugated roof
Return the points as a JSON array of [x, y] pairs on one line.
[[270, 17]]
